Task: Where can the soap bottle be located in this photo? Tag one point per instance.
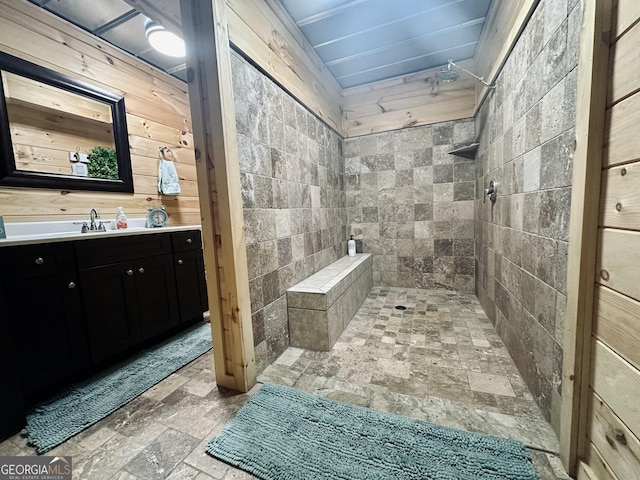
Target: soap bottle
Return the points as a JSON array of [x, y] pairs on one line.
[[121, 219], [351, 247]]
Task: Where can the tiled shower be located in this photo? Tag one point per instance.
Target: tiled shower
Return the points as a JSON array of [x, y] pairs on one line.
[[417, 208], [412, 204], [293, 197], [526, 134]]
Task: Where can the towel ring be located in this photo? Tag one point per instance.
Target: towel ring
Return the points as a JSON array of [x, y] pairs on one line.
[[162, 155]]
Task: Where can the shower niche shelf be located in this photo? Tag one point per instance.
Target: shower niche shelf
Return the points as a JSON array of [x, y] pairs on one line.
[[466, 151]]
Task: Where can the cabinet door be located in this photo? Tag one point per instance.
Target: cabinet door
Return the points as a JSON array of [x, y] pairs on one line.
[[156, 293], [111, 309], [49, 336], [191, 285], [12, 417]]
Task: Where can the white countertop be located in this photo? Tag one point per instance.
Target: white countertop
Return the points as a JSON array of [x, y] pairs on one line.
[[22, 234]]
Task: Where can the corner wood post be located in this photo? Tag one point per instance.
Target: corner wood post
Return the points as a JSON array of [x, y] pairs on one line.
[[585, 200], [205, 29]]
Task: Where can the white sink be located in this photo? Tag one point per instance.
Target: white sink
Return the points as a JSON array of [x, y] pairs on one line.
[[65, 228]]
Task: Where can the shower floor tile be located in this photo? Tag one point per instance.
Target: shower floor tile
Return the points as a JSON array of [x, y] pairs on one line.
[[439, 360], [494, 384]]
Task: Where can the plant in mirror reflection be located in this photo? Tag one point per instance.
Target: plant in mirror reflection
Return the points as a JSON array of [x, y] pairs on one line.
[[103, 162]]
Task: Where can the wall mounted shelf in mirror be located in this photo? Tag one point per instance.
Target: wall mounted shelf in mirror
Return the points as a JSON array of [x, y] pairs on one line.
[[59, 132]]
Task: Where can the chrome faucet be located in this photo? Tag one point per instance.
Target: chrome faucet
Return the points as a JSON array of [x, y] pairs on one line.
[[91, 225], [94, 215]]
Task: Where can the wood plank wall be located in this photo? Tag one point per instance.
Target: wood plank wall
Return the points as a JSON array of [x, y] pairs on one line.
[[614, 420], [265, 33], [42, 134], [407, 101], [157, 115]]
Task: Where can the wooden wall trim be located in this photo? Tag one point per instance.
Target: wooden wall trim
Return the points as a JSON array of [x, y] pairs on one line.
[[214, 132], [587, 166]]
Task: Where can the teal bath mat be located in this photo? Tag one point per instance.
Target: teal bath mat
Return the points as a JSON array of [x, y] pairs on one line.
[[287, 434], [83, 404]]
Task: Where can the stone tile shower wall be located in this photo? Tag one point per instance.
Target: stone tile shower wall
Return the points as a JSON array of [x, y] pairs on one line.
[[291, 169], [526, 130], [412, 205]]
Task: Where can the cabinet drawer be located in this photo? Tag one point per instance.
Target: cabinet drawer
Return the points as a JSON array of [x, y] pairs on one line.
[[24, 261], [188, 240], [105, 251]]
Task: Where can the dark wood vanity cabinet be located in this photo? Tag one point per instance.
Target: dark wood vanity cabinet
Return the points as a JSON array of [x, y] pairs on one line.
[[136, 299], [70, 306], [44, 314], [130, 302]]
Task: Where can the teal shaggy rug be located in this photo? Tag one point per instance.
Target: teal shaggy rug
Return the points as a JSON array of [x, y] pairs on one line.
[[287, 434], [83, 404]]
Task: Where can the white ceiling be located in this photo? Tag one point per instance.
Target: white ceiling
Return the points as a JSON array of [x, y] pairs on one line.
[[360, 41]]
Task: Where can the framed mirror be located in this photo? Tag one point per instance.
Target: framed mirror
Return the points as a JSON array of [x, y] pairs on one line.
[[59, 132]]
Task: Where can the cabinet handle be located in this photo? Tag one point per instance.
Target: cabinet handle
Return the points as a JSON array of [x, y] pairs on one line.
[[189, 240], [129, 272], [39, 261], [180, 262], [141, 270], [72, 285]]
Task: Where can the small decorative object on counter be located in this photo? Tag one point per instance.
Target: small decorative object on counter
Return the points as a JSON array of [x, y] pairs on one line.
[[157, 217], [121, 219], [351, 247]]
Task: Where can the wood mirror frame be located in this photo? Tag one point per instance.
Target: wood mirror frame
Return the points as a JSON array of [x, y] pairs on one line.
[[10, 175]]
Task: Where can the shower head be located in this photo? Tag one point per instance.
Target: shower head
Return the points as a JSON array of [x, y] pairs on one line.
[[446, 75]]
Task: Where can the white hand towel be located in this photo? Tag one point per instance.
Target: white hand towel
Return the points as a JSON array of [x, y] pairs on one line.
[[168, 181]]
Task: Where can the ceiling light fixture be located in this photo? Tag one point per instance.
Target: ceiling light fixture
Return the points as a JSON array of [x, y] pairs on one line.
[[164, 41]]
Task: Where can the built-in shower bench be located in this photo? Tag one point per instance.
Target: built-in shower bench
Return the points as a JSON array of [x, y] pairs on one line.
[[321, 306]]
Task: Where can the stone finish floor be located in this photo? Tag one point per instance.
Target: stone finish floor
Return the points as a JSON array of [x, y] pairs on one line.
[[439, 360]]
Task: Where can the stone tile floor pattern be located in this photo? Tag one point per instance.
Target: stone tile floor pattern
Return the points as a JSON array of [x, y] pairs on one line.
[[439, 360]]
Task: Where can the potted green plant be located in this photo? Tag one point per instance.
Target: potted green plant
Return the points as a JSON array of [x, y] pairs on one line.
[[103, 162]]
